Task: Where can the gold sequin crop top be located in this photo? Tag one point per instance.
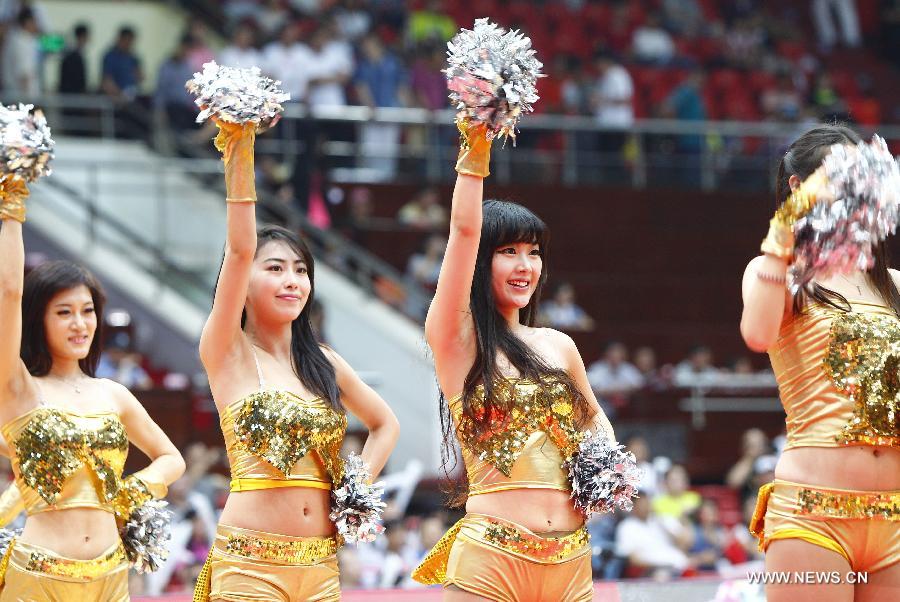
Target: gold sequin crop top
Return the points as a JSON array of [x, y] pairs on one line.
[[62, 459], [276, 439], [838, 376], [528, 444]]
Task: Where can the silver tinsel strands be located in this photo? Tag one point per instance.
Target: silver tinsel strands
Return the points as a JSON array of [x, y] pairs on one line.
[[146, 536], [25, 142], [357, 505], [236, 95], [839, 236], [6, 538], [492, 77], [603, 475]]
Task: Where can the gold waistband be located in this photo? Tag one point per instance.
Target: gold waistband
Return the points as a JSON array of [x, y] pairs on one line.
[[505, 535], [38, 559], [251, 484], [273, 547], [837, 503], [518, 540]]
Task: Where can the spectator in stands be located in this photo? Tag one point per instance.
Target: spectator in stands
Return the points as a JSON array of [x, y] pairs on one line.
[[21, 59], [199, 52], [272, 17], [698, 365], [642, 539], [651, 43], [677, 501], [431, 23], [743, 43], [172, 96], [10, 9], [743, 546], [124, 367], [428, 83], [122, 74], [825, 99], [423, 268], [613, 379], [782, 102], [399, 558], [381, 81], [351, 569], [684, 17], [649, 485], [686, 103], [242, 51], [561, 311], [330, 68], [612, 102], [655, 377], [352, 18], [73, 68], [709, 537], [824, 12], [288, 60], [424, 210]]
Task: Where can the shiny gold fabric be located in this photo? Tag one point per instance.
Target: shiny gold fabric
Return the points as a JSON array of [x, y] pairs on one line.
[[839, 376], [13, 193], [862, 526], [275, 437], [501, 560], [528, 445], [254, 565], [35, 574], [67, 460]]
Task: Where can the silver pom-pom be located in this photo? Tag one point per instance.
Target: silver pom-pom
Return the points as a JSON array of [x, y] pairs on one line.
[[603, 475], [25, 142], [839, 236], [492, 76], [356, 505], [236, 95], [6, 538], [146, 536]]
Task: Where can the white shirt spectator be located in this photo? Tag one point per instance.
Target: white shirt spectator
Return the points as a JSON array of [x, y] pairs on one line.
[[335, 59], [21, 57], [291, 65], [613, 100], [243, 58], [648, 543], [653, 44], [623, 377]]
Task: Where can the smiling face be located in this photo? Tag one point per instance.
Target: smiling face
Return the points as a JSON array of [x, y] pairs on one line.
[[279, 284], [70, 322], [515, 274]]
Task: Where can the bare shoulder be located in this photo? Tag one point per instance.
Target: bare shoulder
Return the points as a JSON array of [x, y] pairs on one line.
[[895, 276], [556, 337], [339, 363], [754, 263], [119, 393]]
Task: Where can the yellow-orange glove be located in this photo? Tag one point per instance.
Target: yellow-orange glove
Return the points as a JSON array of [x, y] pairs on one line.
[[474, 149], [236, 142], [13, 192], [780, 240]]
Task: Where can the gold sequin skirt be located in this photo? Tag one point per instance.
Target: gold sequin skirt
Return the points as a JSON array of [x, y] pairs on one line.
[[37, 574], [862, 526], [502, 560], [254, 565]]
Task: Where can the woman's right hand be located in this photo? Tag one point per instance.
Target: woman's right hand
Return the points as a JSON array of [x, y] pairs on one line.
[[474, 149]]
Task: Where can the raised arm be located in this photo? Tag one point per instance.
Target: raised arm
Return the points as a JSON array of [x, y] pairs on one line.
[[375, 414], [13, 193], [221, 334], [448, 327], [766, 300]]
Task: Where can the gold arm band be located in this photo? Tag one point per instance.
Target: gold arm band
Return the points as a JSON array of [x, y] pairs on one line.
[[474, 149], [13, 192], [236, 143], [779, 242]]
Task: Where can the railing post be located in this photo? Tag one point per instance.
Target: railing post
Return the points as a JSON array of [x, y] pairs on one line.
[[639, 169], [433, 151], [93, 193], [107, 119], [570, 158], [707, 162]]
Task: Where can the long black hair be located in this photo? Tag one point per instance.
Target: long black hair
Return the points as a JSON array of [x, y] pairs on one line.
[[308, 360], [802, 158], [503, 223], [42, 284]]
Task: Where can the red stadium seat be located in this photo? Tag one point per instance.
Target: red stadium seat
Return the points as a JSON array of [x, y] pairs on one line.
[[725, 80], [727, 500], [760, 81], [865, 111], [845, 83]]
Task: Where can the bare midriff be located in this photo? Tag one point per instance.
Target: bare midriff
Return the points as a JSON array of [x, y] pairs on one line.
[[296, 511], [858, 467], [540, 510], [79, 533]]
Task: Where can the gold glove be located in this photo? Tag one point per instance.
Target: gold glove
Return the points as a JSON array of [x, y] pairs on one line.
[[13, 192], [474, 149], [779, 242], [235, 142], [137, 489]]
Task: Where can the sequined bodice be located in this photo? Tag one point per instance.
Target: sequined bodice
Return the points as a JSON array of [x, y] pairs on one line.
[[62, 459], [527, 443], [277, 435], [839, 376]]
